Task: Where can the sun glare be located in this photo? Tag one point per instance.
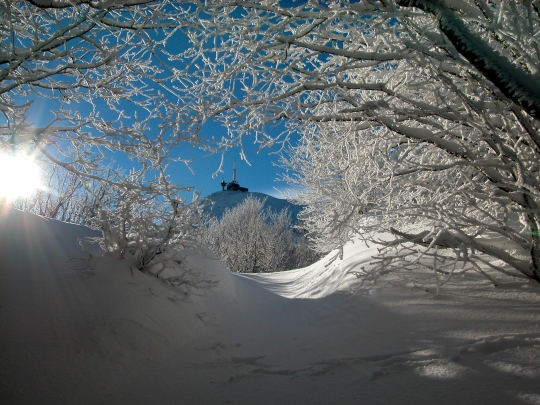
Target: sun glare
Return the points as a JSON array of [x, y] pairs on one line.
[[19, 176]]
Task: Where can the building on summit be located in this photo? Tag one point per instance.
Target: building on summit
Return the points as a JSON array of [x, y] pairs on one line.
[[233, 185]]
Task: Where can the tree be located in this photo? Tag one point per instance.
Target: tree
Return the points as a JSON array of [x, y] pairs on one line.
[[146, 229], [251, 239], [99, 68], [416, 117]]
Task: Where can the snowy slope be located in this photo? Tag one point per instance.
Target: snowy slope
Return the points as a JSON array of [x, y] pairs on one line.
[[110, 335], [222, 200]]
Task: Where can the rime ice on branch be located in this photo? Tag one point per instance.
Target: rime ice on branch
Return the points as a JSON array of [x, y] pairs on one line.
[[420, 120]]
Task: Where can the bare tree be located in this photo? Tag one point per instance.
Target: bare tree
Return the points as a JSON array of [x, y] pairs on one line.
[[417, 117]]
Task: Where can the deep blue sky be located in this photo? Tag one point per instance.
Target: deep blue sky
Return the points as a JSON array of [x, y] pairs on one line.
[[259, 175]]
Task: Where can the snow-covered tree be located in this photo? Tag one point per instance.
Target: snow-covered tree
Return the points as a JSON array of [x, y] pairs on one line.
[[82, 82], [421, 118], [146, 229], [417, 117], [251, 239], [89, 61]]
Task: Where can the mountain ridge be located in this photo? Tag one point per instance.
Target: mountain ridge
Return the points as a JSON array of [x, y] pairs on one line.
[[220, 201]]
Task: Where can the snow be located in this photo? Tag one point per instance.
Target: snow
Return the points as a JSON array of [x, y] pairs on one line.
[[109, 334], [223, 200]]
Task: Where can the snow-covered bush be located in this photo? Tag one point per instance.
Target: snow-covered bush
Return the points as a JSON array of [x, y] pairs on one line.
[[251, 239], [147, 229]]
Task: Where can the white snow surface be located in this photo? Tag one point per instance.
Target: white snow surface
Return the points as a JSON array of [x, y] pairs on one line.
[[112, 335], [223, 200]]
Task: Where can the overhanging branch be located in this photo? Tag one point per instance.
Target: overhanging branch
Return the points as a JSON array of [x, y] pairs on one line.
[[519, 86]]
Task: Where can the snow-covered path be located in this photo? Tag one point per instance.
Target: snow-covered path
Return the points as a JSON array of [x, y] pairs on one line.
[[113, 336]]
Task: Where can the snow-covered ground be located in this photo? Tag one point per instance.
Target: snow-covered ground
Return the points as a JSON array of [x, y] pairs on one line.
[[111, 335]]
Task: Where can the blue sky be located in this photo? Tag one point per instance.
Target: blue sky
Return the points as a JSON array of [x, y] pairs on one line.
[[259, 175]]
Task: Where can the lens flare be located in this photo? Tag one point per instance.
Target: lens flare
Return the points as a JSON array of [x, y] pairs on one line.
[[19, 176]]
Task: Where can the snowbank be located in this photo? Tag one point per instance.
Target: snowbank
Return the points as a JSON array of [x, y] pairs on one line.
[[111, 335], [328, 276]]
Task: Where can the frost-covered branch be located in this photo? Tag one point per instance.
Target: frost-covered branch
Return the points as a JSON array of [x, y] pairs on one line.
[[517, 84], [413, 115], [84, 83]]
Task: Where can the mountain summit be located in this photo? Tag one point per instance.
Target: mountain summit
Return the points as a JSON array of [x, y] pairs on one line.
[[222, 200]]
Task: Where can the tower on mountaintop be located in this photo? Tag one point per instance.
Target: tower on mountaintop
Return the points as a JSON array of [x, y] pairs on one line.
[[233, 185]]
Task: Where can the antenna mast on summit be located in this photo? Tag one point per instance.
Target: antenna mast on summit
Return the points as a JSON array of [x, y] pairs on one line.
[[233, 185]]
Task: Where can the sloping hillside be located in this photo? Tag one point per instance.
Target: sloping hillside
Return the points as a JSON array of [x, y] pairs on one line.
[[107, 334], [222, 200]]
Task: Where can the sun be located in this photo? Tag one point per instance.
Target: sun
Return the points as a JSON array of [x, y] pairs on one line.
[[19, 176]]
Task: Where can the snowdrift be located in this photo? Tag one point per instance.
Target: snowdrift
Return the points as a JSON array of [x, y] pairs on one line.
[[328, 276], [75, 330]]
